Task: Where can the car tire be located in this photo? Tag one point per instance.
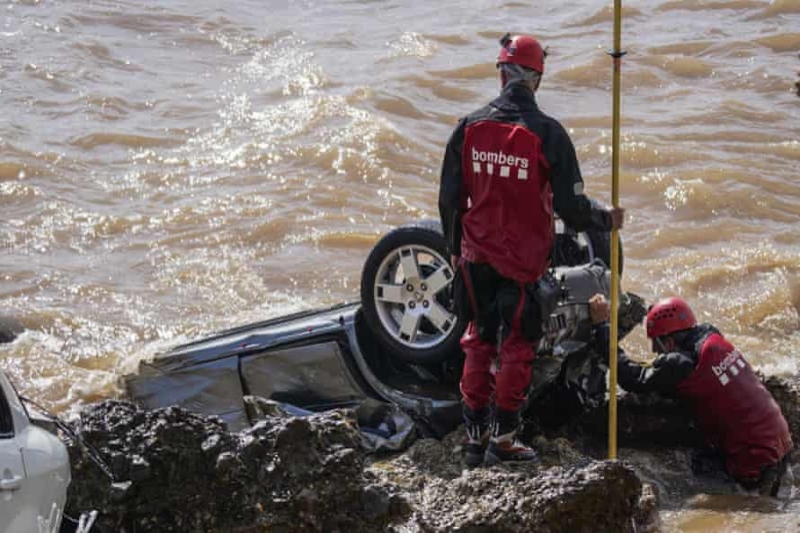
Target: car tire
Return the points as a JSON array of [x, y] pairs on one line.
[[411, 313], [601, 247]]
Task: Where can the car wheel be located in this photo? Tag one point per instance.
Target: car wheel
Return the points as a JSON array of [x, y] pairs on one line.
[[406, 294], [600, 242]]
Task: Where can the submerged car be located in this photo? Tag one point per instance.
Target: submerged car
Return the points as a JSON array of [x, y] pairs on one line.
[[34, 468], [399, 344]]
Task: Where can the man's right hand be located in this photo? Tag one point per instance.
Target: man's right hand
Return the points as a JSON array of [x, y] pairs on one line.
[[598, 309]]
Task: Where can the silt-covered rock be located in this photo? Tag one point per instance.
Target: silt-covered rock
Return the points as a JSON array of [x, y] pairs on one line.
[[176, 471], [564, 491]]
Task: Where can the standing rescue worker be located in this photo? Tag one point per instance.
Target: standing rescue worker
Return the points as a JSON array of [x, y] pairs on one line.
[[506, 168], [738, 416]]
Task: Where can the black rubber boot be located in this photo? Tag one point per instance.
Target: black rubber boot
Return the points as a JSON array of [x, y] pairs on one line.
[[478, 424], [503, 444]]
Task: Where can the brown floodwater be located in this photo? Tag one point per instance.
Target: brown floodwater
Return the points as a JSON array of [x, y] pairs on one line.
[[172, 168]]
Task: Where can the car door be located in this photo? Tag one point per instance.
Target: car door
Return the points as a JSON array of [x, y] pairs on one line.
[[12, 471], [34, 470]]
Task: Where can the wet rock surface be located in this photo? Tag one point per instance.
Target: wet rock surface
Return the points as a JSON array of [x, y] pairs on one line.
[[643, 420], [176, 471], [787, 393], [10, 328], [565, 491]]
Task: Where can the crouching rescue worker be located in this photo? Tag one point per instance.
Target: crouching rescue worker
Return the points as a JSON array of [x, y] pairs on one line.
[[506, 168], [739, 418]]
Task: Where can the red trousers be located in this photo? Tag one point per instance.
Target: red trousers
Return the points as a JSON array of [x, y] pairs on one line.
[[509, 383]]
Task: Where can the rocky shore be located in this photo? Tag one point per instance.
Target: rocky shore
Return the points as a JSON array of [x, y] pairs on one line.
[[177, 471]]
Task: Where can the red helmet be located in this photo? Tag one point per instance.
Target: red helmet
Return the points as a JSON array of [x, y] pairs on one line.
[[522, 50], [668, 316]]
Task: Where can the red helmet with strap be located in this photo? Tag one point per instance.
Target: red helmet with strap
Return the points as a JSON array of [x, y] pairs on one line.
[[668, 316], [522, 50]]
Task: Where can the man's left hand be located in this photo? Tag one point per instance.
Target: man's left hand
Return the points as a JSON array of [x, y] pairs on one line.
[[617, 217]]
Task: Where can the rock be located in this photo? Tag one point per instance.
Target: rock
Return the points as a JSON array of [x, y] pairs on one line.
[[631, 312], [786, 392], [185, 472], [375, 501], [444, 496], [558, 452], [258, 408], [646, 515], [643, 420], [118, 490], [178, 471], [599, 497], [10, 328]]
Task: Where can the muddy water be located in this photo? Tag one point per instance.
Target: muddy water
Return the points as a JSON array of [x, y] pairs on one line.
[[171, 168]]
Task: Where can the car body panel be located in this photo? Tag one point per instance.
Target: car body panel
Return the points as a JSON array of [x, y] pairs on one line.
[[211, 376], [312, 360], [34, 471], [209, 387]]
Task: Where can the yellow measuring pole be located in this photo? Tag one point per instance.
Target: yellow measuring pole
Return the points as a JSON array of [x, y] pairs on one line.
[[616, 54]]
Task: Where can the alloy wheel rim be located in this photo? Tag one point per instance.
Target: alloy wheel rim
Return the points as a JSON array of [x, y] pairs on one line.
[[411, 296]]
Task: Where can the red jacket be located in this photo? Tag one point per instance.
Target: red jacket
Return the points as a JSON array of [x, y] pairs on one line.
[[736, 413], [509, 223], [507, 168]]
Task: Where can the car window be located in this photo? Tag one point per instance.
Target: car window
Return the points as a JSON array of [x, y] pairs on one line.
[[6, 422], [16, 400]]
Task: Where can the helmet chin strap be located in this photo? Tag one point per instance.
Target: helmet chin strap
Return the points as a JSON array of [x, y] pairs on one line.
[[660, 344]]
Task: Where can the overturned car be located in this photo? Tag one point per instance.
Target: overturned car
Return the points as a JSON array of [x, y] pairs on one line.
[[399, 345]]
